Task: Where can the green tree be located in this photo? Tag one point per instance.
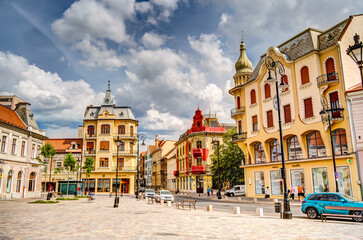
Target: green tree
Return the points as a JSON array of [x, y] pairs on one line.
[[88, 166], [48, 152], [69, 165], [230, 157]]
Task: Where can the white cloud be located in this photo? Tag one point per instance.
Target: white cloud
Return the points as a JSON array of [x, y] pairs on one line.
[[153, 40], [225, 18], [143, 7]]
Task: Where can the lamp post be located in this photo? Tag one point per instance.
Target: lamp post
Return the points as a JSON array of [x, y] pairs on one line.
[[142, 137], [219, 175], [277, 66], [356, 52], [118, 142]]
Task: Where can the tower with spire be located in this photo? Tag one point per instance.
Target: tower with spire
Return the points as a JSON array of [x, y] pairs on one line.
[[243, 66], [107, 100]]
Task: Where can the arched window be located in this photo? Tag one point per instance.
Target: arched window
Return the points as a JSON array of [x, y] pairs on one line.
[[105, 129], [340, 141], [238, 102], [121, 129], [253, 96], [259, 153], [9, 182], [91, 130], [18, 181], [305, 75], [294, 150], [267, 91], [32, 179], [275, 151], [131, 130], [316, 145], [286, 81], [330, 69]]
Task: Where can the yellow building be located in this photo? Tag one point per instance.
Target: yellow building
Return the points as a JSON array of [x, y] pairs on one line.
[[102, 125], [193, 151], [313, 61]]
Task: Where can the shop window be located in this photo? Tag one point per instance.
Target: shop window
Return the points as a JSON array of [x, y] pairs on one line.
[[103, 185], [344, 180], [105, 129], [308, 106], [259, 153], [253, 96], [340, 141], [276, 183], [267, 91], [32, 179], [293, 148], [305, 75], [121, 129], [320, 180], [90, 184], [18, 181], [298, 179], [275, 151], [287, 113], [259, 183], [316, 145]]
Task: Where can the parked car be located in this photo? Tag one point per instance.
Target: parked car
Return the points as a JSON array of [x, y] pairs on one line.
[[238, 190], [164, 195], [149, 193], [313, 205]]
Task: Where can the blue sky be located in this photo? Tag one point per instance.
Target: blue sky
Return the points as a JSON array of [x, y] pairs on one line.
[[163, 57]]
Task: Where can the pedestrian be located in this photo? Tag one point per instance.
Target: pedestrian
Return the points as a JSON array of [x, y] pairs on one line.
[[299, 192], [211, 192], [267, 193], [208, 190], [292, 193]]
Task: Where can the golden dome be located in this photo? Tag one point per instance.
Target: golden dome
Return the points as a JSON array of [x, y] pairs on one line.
[[243, 64]]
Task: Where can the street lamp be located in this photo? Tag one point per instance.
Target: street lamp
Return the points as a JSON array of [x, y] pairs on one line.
[[216, 142], [142, 137], [326, 112], [118, 143], [277, 66], [355, 52]]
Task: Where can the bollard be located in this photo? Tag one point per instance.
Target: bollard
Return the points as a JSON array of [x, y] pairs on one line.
[[259, 212], [254, 200], [239, 199], [237, 210], [226, 197], [169, 203], [210, 208]]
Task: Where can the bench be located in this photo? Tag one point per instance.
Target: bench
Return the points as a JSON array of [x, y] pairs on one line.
[[350, 215], [190, 202]]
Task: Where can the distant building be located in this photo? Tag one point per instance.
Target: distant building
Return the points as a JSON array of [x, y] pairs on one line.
[[10, 101], [170, 159], [148, 166]]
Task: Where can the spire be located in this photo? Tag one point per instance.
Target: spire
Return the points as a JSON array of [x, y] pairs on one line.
[[243, 64], [107, 100]]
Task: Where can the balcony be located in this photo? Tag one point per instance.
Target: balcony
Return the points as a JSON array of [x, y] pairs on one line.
[[125, 135], [176, 173], [90, 136], [335, 116], [125, 169], [237, 111], [326, 80], [239, 136], [198, 169], [89, 152], [125, 153], [197, 152]]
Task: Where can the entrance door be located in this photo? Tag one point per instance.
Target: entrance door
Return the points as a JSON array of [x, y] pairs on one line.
[[125, 182], [199, 182]]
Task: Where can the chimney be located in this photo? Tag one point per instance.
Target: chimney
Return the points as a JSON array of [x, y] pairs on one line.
[[156, 140]]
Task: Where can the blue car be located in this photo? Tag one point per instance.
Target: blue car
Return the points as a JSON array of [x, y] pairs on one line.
[[313, 205]]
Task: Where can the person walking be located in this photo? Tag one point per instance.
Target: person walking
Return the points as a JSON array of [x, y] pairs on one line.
[[292, 193], [208, 190], [267, 193], [299, 192]]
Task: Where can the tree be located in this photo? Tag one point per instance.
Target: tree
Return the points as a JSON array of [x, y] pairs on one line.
[[88, 166], [69, 165], [48, 152], [230, 157]]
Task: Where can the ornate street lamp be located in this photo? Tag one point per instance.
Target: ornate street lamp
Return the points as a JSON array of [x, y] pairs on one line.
[[142, 137], [216, 142], [118, 143], [356, 52], [277, 66]]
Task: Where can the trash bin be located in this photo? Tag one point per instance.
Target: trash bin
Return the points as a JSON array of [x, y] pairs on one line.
[[277, 207], [49, 196]]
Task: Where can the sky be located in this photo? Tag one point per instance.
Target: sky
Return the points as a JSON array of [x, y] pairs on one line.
[[164, 58]]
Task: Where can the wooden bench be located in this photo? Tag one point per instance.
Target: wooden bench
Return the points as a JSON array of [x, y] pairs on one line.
[[190, 202], [350, 215]]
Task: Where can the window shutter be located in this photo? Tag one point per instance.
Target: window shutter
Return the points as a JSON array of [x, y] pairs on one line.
[[270, 122], [253, 96], [308, 103], [286, 81], [305, 75], [104, 145], [287, 113], [267, 91]]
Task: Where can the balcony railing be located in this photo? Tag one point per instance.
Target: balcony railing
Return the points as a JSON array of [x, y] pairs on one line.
[[239, 136], [198, 169], [237, 111], [90, 136], [197, 152], [336, 115], [176, 173], [125, 135], [125, 169], [125, 153], [89, 152], [327, 79]]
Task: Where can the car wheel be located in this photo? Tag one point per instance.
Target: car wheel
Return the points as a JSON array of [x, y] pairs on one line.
[[312, 213], [231, 195], [358, 219]]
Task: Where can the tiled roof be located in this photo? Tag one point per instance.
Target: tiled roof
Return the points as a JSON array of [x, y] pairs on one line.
[[151, 148], [63, 144], [143, 154], [10, 117]]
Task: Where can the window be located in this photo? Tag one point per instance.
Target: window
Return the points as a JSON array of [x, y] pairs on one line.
[[259, 183], [275, 151], [259, 153], [308, 106], [59, 164], [254, 123], [287, 113], [32, 179], [105, 129], [22, 148], [131, 147], [9, 181], [293, 148], [103, 185], [253, 96], [91, 130], [297, 178], [90, 184], [103, 162], [316, 145], [3, 144], [330, 69], [13, 146], [334, 104], [270, 121], [199, 144], [286, 81], [305, 75], [120, 163], [340, 141], [320, 180], [239, 127], [131, 130], [18, 181], [33, 150], [344, 180], [121, 147], [334, 198], [121, 129], [276, 183], [116, 185], [267, 91], [104, 145], [38, 151], [90, 146], [238, 102]]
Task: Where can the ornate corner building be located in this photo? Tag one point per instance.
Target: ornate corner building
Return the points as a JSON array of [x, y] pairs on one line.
[[316, 65]]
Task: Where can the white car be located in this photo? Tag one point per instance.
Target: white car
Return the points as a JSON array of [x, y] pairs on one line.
[[164, 195], [238, 190], [149, 193]]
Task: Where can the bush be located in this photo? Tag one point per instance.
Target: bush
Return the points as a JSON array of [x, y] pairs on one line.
[[62, 198], [81, 197], [44, 202]]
